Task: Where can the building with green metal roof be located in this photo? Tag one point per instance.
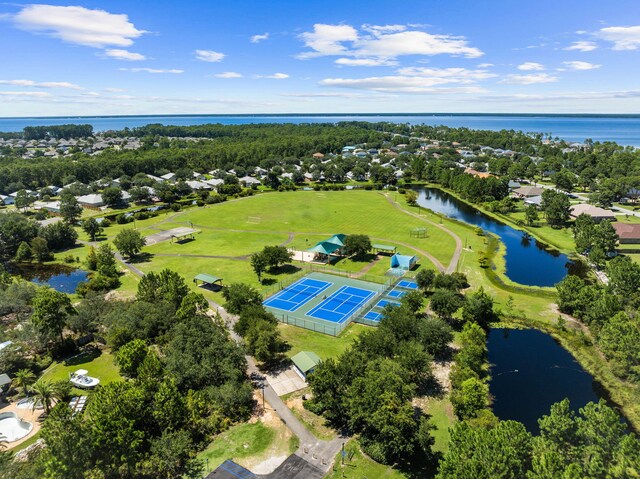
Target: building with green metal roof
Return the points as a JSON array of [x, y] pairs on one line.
[[305, 362]]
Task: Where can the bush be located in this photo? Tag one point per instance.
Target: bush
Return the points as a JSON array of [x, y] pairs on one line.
[[176, 207], [402, 191], [105, 223], [69, 259], [121, 219]]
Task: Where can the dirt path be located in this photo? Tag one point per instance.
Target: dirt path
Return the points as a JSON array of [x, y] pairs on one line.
[[458, 251]]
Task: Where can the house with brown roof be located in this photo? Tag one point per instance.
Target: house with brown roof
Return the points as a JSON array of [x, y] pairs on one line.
[[627, 233], [598, 214], [527, 191]]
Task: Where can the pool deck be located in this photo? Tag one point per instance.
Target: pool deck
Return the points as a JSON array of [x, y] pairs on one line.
[[26, 415]]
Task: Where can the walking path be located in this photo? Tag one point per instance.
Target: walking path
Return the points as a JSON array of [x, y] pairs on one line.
[[458, 251]]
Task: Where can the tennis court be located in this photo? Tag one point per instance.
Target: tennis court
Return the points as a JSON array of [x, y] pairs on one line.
[[323, 302], [384, 302], [297, 294], [373, 316], [341, 305], [405, 283], [396, 293]]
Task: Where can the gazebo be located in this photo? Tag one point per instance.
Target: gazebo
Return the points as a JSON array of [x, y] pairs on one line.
[[207, 279], [325, 248]]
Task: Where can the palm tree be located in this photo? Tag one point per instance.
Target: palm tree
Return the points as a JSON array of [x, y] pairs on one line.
[[25, 378], [44, 394]]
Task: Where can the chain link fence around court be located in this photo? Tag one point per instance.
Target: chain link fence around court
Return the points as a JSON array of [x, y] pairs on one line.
[[381, 285]]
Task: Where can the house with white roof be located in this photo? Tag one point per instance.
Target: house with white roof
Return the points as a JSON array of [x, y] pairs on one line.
[[7, 200], [93, 200], [250, 181]]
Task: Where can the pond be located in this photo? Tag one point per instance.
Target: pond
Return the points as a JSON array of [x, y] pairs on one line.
[[528, 261], [530, 371], [60, 277]]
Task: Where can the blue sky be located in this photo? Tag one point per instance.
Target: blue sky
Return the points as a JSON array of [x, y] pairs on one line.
[[171, 57]]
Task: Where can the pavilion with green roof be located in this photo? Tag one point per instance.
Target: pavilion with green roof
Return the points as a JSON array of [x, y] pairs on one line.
[[207, 279]]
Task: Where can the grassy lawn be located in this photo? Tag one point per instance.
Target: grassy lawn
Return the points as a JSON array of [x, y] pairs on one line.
[[323, 345], [249, 444], [319, 214], [442, 418], [358, 466], [101, 367]]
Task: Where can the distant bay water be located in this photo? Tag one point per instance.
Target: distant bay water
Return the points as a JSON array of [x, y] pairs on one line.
[[623, 129]]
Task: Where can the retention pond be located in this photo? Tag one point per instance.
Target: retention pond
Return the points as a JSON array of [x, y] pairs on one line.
[[528, 261], [530, 371]]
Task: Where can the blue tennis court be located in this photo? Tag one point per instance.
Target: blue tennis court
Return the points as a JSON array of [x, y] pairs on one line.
[[296, 295], [396, 293], [341, 305], [373, 316], [407, 284], [384, 302]]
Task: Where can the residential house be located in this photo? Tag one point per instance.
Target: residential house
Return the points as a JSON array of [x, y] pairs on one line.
[[598, 214], [627, 233], [93, 200], [527, 191]]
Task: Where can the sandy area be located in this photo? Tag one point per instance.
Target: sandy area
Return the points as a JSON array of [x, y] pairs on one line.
[[278, 451]]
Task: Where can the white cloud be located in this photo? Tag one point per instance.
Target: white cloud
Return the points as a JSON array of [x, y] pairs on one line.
[[328, 39], [451, 75], [120, 54], [78, 25], [485, 65], [114, 90], [151, 70], [380, 29], [45, 84], [209, 56], [578, 65], [400, 84], [531, 66], [623, 38], [33, 94], [228, 75], [275, 76], [582, 46], [385, 42], [415, 43], [529, 79], [324, 95], [58, 84], [365, 62], [259, 38]]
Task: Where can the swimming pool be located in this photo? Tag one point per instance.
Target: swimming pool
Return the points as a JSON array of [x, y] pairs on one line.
[[12, 427]]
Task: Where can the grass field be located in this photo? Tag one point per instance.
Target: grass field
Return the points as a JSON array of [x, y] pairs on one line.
[[300, 219], [101, 367], [323, 345]]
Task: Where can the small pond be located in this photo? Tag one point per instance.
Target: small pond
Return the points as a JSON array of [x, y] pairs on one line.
[[60, 277], [528, 261], [530, 371]]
